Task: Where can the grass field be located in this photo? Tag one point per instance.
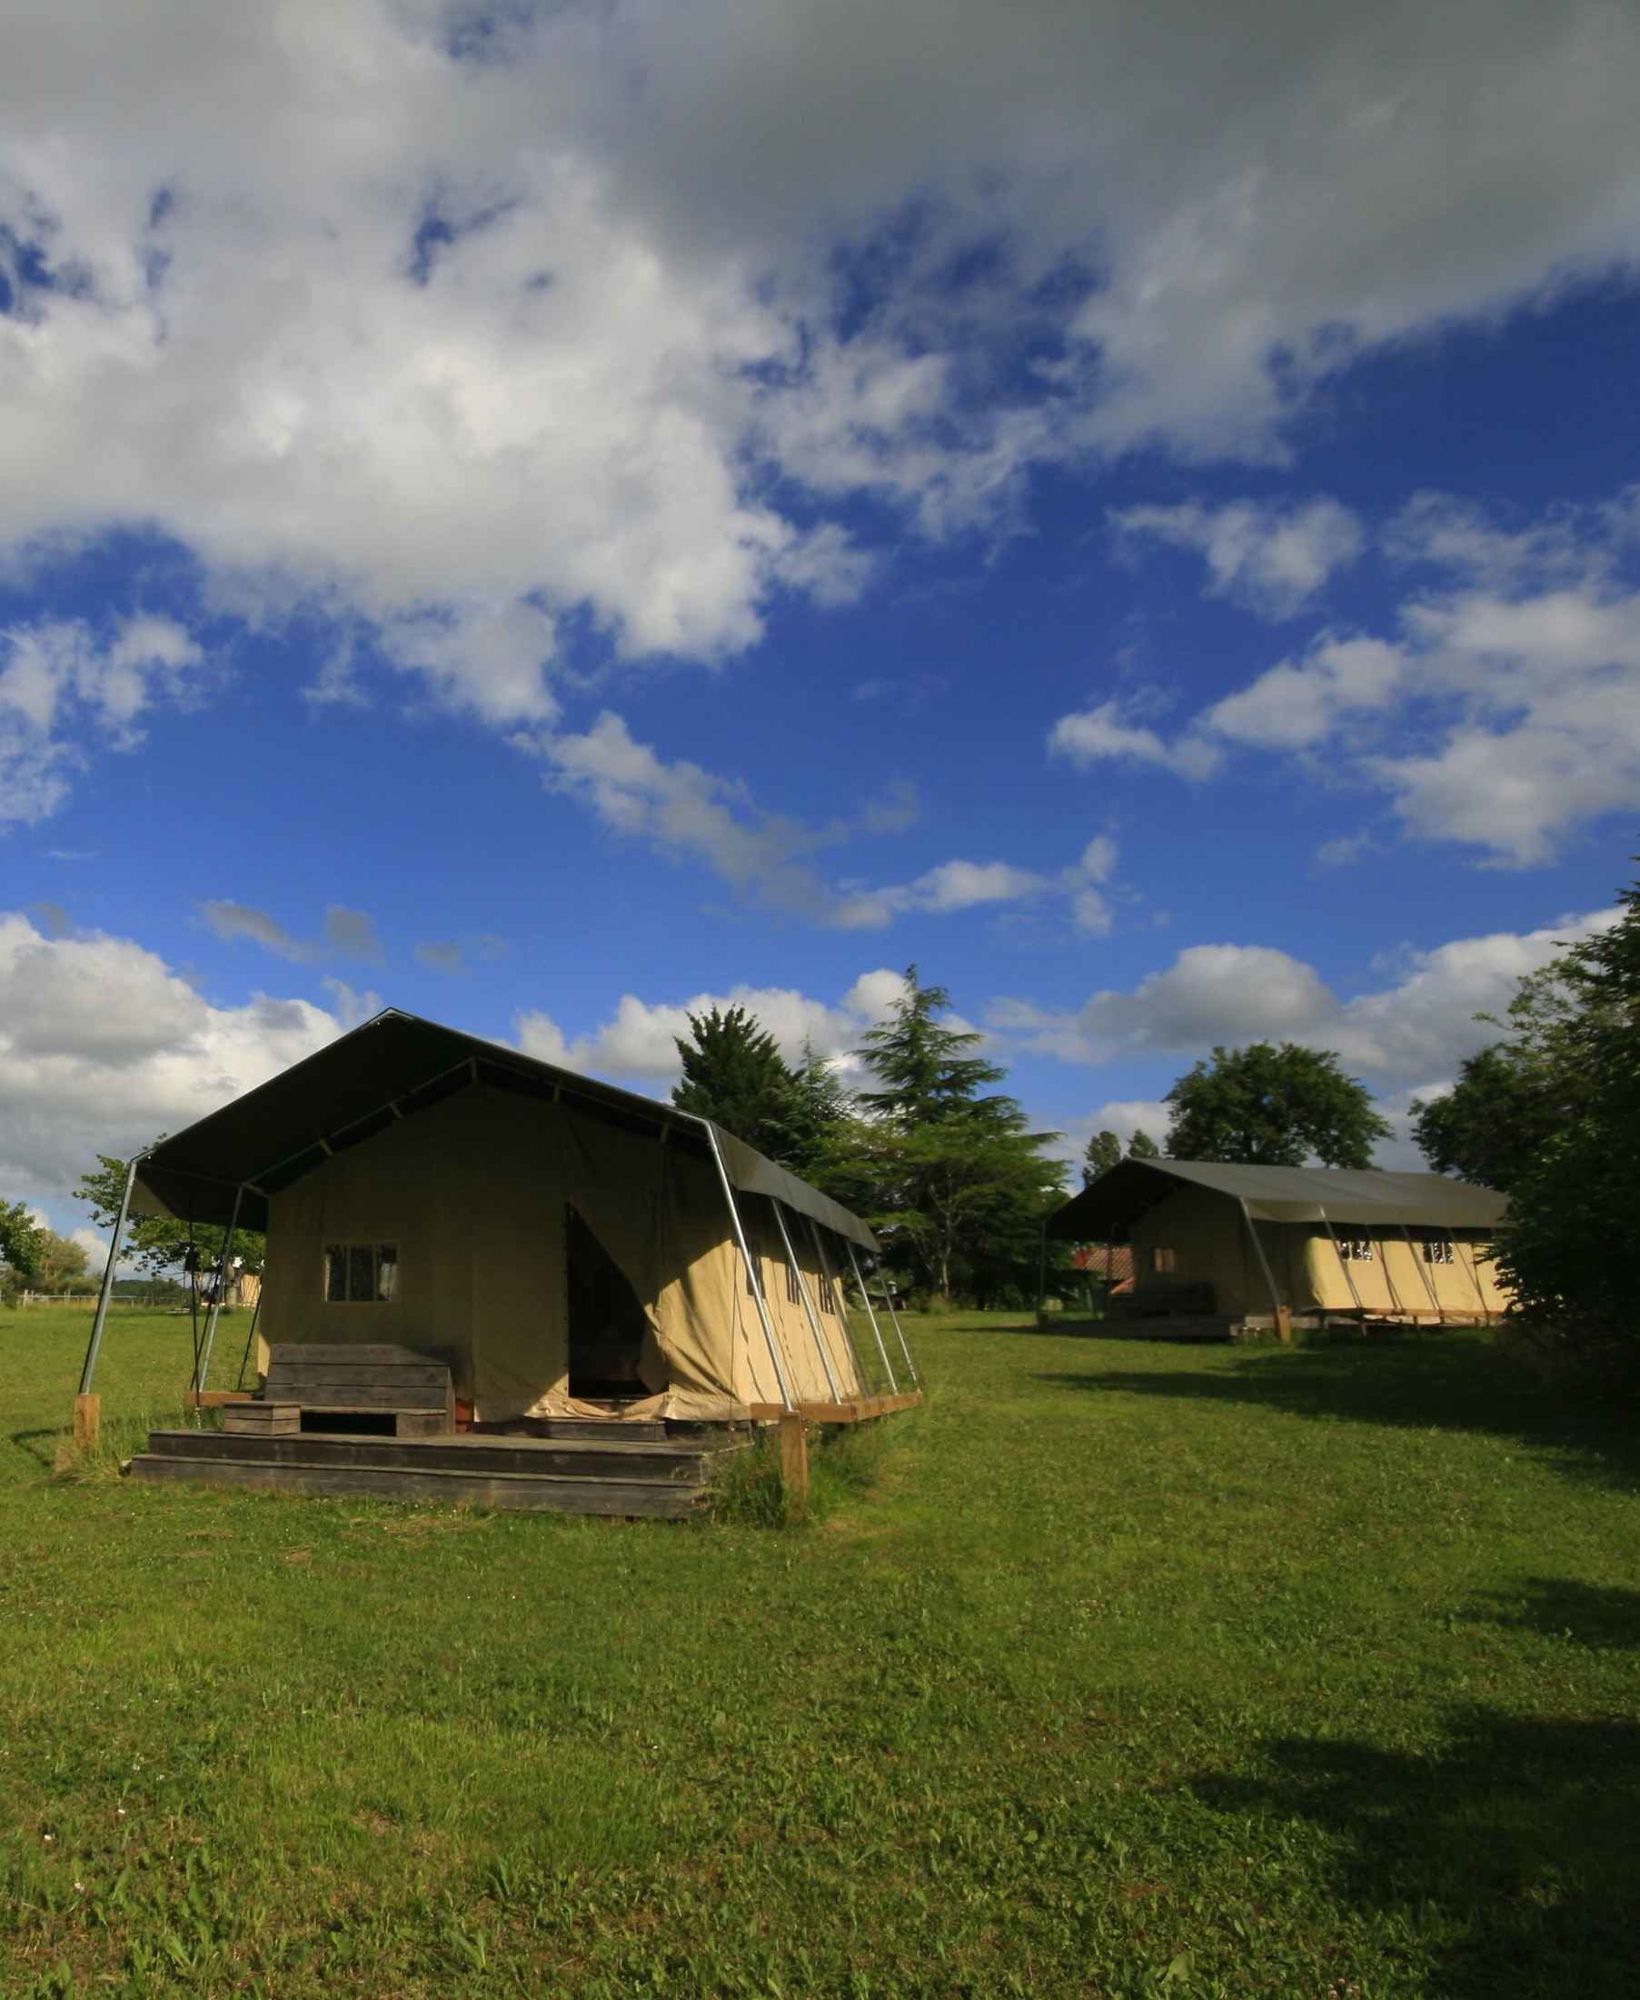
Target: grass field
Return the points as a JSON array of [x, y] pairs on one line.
[[1127, 1671]]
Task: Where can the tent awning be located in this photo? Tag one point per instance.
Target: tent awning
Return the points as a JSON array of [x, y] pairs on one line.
[[391, 1067], [1122, 1194]]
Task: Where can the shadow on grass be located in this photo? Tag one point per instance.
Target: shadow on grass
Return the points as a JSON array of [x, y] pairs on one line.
[[1602, 1616], [33, 1443], [1509, 1851], [1463, 1385]]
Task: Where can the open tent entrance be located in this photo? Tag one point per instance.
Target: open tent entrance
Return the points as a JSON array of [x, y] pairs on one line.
[[607, 1324]]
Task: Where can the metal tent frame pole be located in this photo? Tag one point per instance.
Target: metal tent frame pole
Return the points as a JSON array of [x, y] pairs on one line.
[[1429, 1284], [100, 1317], [752, 1277], [202, 1366], [1263, 1263], [803, 1293], [1344, 1266], [834, 1285], [256, 1314], [899, 1331], [854, 1265]]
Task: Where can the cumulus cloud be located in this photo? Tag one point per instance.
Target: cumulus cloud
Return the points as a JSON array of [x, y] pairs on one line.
[[103, 1046], [1274, 557], [1502, 710], [1404, 1034], [464, 333], [63, 685], [441, 955], [638, 1044]]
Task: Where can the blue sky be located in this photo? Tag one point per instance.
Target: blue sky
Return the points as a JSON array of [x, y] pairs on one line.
[[544, 519]]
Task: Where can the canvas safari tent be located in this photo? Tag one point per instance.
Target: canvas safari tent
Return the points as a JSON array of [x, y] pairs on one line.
[[572, 1247], [1258, 1243]]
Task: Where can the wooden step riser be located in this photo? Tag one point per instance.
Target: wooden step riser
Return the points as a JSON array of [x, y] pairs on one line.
[[642, 1430], [621, 1498], [315, 1448]]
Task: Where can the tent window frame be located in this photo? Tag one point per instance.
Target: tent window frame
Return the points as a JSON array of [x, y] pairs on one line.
[[1439, 1250], [360, 1274], [1164, 1261], [1357, 1250]]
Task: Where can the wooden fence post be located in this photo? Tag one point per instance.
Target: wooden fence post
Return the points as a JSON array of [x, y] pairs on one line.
[[794, 1462], [87, 1419], [1284, 1324]]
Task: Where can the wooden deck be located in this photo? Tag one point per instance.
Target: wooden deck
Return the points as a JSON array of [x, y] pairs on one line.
[[578, 1469]]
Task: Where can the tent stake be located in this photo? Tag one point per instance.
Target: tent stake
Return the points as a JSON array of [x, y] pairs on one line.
[[854, 1263], [803, 1294], [202, 1367], [752, 1277], [87, 1409]]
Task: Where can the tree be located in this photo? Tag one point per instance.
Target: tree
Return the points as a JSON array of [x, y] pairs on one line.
[[1142, 1147], [950, 1176], [734, 1074], [820, 1104], [1102, 1152], [159, 1244], [1573, 1234], [61, 1266], [1273, 1106], [1511, 1098], [920, 1062], [22, 1242]]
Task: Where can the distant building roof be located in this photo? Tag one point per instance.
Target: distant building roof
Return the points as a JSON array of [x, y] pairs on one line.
[[1122, 1194]]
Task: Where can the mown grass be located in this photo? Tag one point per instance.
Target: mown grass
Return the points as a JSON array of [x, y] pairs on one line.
[[1115, 1670]]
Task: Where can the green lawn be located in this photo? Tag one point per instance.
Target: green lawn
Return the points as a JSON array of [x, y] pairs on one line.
[[1138, 1670]]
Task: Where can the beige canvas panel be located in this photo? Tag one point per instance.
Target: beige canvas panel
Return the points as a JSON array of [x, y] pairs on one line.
[[393, 1189], [1209, 1241], [1391, 1281]]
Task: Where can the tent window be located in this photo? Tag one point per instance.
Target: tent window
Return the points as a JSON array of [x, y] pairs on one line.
[[828, 1294], [1438, 1253], [1356, 1249], [358, 1274], [1163, 1261], [794, 1297]]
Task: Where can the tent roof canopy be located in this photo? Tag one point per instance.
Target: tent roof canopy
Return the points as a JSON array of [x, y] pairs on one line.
[[1122, 1194], [394, 1065]]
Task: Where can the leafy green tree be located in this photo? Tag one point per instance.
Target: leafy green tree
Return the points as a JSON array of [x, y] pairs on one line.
[[61, 1265], [734, 1074], [1273, 1106], [159, 1244], [1142, 1147], [1569, 1250], [22, 1243], [1101, 1153], [1511, 1098], [921, 1065], [950, 1176]]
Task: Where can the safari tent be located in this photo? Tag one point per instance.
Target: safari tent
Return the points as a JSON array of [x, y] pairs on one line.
[[1266, 1244], [573, 1249]]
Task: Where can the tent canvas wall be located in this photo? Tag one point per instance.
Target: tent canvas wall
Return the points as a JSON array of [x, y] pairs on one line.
[[1332, 1239], [422, 1188]]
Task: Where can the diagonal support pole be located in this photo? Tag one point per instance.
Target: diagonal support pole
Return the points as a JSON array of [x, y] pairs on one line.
[[100, 1318], [854, 1263], [202, 1366], [899, 1331], [803, 1293], [752, 1277]]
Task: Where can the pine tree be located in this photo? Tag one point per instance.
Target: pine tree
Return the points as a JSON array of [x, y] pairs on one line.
[[1103, 1151], [925, 1075], [734, 1074], [1142, 1147]]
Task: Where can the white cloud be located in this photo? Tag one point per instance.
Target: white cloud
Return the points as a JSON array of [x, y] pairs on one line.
[[1271, 556], [103, 1047], [1107, 733], [229, 920], [638, 1044], [60, 685], [1298, 704], [461, 343], [953, 885], [1398, 1036]]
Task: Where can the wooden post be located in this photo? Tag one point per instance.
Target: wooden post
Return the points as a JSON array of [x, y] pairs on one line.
[[794, 1462], [1284, 1325], [87, 1420]]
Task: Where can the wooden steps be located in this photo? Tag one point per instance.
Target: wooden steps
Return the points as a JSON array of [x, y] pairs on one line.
[[568, 1474]]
